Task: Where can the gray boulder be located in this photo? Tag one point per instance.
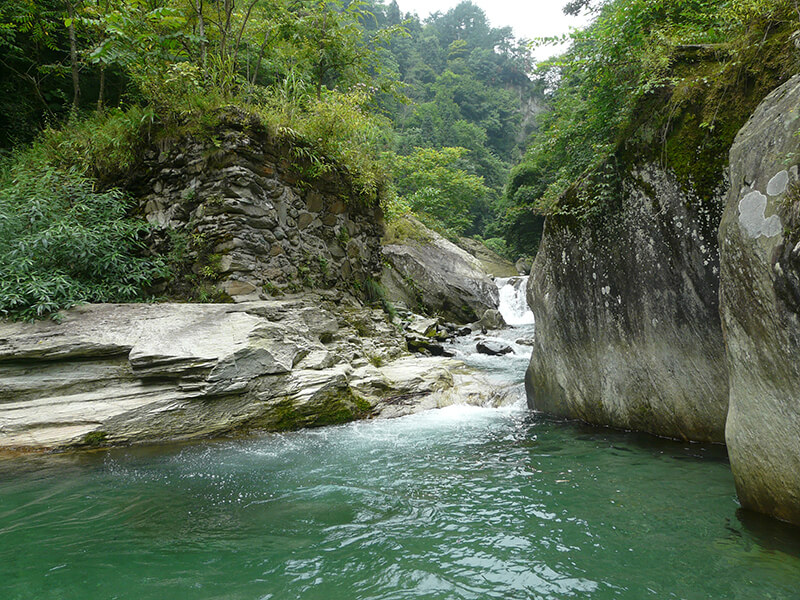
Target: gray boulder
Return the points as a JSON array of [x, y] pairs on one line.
[[433, 275], [627, 319], [760, 304], [493, 348], [492, 319]]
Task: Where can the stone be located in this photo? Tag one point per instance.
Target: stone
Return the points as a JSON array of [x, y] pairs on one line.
[[337, 208], [238, 288], [493, 348], [492, 319], [524, 266], [437, 276], [241, 206], [491, 262], [760, 307], [304, 220], [138, 373], [628, 331], [420, 344], [314, 202]]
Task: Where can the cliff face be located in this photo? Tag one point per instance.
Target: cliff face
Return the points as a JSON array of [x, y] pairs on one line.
[[238, 205], [625, 285], [627, 322], [760, 304]]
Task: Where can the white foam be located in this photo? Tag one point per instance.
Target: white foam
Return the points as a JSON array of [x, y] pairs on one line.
[[513, 302]]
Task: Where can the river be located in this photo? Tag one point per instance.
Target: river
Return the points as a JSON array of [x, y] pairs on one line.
[[463, 502]]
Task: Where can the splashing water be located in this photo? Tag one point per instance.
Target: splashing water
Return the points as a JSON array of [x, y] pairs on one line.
[[513, 302]]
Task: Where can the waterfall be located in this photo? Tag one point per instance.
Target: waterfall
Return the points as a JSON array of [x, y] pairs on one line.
[[513, 302]]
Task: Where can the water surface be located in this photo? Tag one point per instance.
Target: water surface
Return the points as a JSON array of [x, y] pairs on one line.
[[460, 503]]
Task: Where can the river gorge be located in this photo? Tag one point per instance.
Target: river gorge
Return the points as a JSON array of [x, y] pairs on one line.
[[459, 502]]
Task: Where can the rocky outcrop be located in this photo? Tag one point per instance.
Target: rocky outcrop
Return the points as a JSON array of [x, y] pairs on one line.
[[760, 304], [426, 272], [491, 262], [115, 374], [237, 203], [626, 308]]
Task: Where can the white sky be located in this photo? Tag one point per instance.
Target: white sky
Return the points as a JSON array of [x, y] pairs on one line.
[[528, 18]]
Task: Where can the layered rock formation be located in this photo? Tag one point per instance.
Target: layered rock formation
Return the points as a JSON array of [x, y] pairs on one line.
[[112, 374], [428, 273], [760, 304], [626, 308], [234, 199]]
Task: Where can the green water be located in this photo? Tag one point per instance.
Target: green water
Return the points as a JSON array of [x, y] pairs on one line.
[[460, 503]]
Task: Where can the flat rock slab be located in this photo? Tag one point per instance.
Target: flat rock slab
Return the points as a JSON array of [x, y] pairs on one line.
[[137, 373]]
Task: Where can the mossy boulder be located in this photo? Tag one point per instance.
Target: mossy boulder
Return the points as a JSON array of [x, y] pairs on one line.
[[760, 306]]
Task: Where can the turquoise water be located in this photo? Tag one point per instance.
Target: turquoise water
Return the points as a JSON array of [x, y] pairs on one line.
[[459, 503]]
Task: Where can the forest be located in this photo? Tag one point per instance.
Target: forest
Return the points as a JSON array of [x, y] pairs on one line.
[[447, 117]]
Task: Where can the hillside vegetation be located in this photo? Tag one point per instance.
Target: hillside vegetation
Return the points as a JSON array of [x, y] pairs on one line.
[[354, 86], [670, 81]]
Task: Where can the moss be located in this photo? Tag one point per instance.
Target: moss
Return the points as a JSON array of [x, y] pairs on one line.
[[94, 439], [404, 229], [333, 407], [690, 125]]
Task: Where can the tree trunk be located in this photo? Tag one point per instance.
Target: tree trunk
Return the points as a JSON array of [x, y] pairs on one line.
[[201, 30], [73, 57], [102, 91]]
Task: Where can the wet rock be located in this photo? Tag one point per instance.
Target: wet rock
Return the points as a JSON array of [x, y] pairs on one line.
[[493, 348], [492, 319], [146, 373], [425, 345]]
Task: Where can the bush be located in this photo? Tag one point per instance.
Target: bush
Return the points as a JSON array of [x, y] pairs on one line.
[[61, 244]]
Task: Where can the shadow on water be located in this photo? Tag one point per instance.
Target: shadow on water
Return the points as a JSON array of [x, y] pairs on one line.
[[624, 440], [769, 533]]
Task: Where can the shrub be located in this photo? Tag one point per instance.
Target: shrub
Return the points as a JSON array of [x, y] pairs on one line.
[[61, 244]]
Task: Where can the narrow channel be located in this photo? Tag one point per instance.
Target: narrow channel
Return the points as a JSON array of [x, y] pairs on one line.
[[462, 502]]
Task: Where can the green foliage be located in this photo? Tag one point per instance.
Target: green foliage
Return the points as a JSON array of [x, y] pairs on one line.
[[435, 188], [61, 244], [669, 81], [339, 132], [104, 145]]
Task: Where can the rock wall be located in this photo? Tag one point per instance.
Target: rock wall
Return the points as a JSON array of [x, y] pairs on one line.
[[250, 222], [759, 241], [627, 323]]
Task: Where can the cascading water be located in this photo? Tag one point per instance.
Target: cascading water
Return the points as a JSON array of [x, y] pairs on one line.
[[508, 368], [513, 302]]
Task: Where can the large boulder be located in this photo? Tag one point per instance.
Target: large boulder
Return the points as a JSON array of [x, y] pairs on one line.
[[426, 271], [760, 305], [627, 321]]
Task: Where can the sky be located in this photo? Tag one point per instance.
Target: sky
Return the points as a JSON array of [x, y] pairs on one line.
[[528, 18]]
